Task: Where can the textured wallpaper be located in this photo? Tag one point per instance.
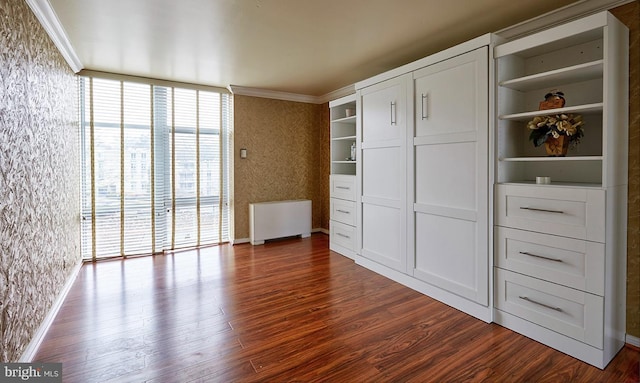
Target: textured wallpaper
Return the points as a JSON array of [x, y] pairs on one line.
[[286, 143], [39, 189], [630, 15]]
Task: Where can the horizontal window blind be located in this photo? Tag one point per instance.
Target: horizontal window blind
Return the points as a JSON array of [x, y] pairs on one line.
[[154, 172]]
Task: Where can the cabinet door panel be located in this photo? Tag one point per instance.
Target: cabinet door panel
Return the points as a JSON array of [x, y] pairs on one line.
[[573, 313], [382, 235], [446, 95], [383, 156], [382, 175], [446, 175], [446, 255], [570, 262], [566, 211], [451, 180], [382, 111]]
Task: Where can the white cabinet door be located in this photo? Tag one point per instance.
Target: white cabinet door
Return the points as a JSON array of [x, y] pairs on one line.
[[384, 129], [451, 180]]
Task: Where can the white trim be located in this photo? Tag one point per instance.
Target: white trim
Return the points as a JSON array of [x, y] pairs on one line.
[[338, 93], [320, 230], [238, 241], [151, 81], [295, 97], [32, 348], [273, 94], [632, 340], [51, 24], [559, 16]]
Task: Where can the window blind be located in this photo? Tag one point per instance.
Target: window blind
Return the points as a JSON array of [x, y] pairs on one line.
[[154, 172]]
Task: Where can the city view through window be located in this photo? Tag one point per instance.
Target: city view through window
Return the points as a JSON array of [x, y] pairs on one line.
[[154, 167]]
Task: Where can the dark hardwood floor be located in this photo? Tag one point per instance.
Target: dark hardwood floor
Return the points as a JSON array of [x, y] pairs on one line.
[[287, 311]]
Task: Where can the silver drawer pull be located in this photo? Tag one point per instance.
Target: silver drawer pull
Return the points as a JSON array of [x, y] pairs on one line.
[[343, 235], [543, 210], [540, 256], [425, 114], [558, 309], [343, 211], [393, 113], [343, 187]]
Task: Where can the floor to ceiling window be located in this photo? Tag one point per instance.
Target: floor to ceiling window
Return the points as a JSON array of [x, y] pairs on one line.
[[155, 170]]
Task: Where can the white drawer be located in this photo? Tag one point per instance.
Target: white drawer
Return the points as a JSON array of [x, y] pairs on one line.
[[574, 313], [343, 211], [570, 262], [343, 235], [565, 211], [343, 187]]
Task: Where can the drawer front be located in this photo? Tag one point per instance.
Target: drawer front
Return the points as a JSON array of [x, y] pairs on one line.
[[574, 313], [568, 212], [343, 187], [570, 262], [343, 211], [343, 235]]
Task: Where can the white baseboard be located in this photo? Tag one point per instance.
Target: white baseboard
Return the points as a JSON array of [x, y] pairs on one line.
[[238, 241], [32, 348], [632, 340], [320, 230]]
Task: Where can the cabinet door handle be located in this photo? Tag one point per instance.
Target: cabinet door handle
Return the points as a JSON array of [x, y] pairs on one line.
[[393, 113], [540, 256], [425, 107], [343, 211], [558, 309], [343, 235], [343, 187], [543, 210]]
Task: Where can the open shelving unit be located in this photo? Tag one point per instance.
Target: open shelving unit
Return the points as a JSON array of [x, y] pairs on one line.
[[343, 135], [586, 59], [343, 227]]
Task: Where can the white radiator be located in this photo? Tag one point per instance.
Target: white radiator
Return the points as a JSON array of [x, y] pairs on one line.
[[269, 220]]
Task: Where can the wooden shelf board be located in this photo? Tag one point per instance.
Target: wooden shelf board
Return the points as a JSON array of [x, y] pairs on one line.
[[345, 119], [550, 159], [555, 184], [343, 138], [575, 73], [586, 109]]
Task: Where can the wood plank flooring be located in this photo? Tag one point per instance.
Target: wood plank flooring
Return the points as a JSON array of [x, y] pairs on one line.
[[287, 311]]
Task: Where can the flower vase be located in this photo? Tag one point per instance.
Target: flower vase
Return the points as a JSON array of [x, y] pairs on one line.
[[557, 147]]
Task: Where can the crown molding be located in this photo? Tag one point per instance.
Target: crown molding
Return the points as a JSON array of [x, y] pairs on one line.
[[336, 94], [51, 24], [286, 96], [273, 94], [562, 15]]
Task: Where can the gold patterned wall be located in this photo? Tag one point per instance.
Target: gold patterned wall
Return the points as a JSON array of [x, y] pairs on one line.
[[39, 173], [630, 15], [286, 144]]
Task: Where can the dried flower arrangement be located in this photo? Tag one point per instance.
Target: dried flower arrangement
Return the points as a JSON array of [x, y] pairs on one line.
[[544, 127]]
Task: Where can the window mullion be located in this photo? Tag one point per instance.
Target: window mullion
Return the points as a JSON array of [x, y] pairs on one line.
[[198, 167], [122, 184]]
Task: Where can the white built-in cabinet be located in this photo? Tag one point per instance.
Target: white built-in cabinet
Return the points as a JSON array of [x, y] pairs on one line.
[[450, 175], [446, 196], [425, 184], [343, 222], [384, 169], [560, 248]]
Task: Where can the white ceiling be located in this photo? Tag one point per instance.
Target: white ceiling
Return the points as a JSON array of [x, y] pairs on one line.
[[309, 47]]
